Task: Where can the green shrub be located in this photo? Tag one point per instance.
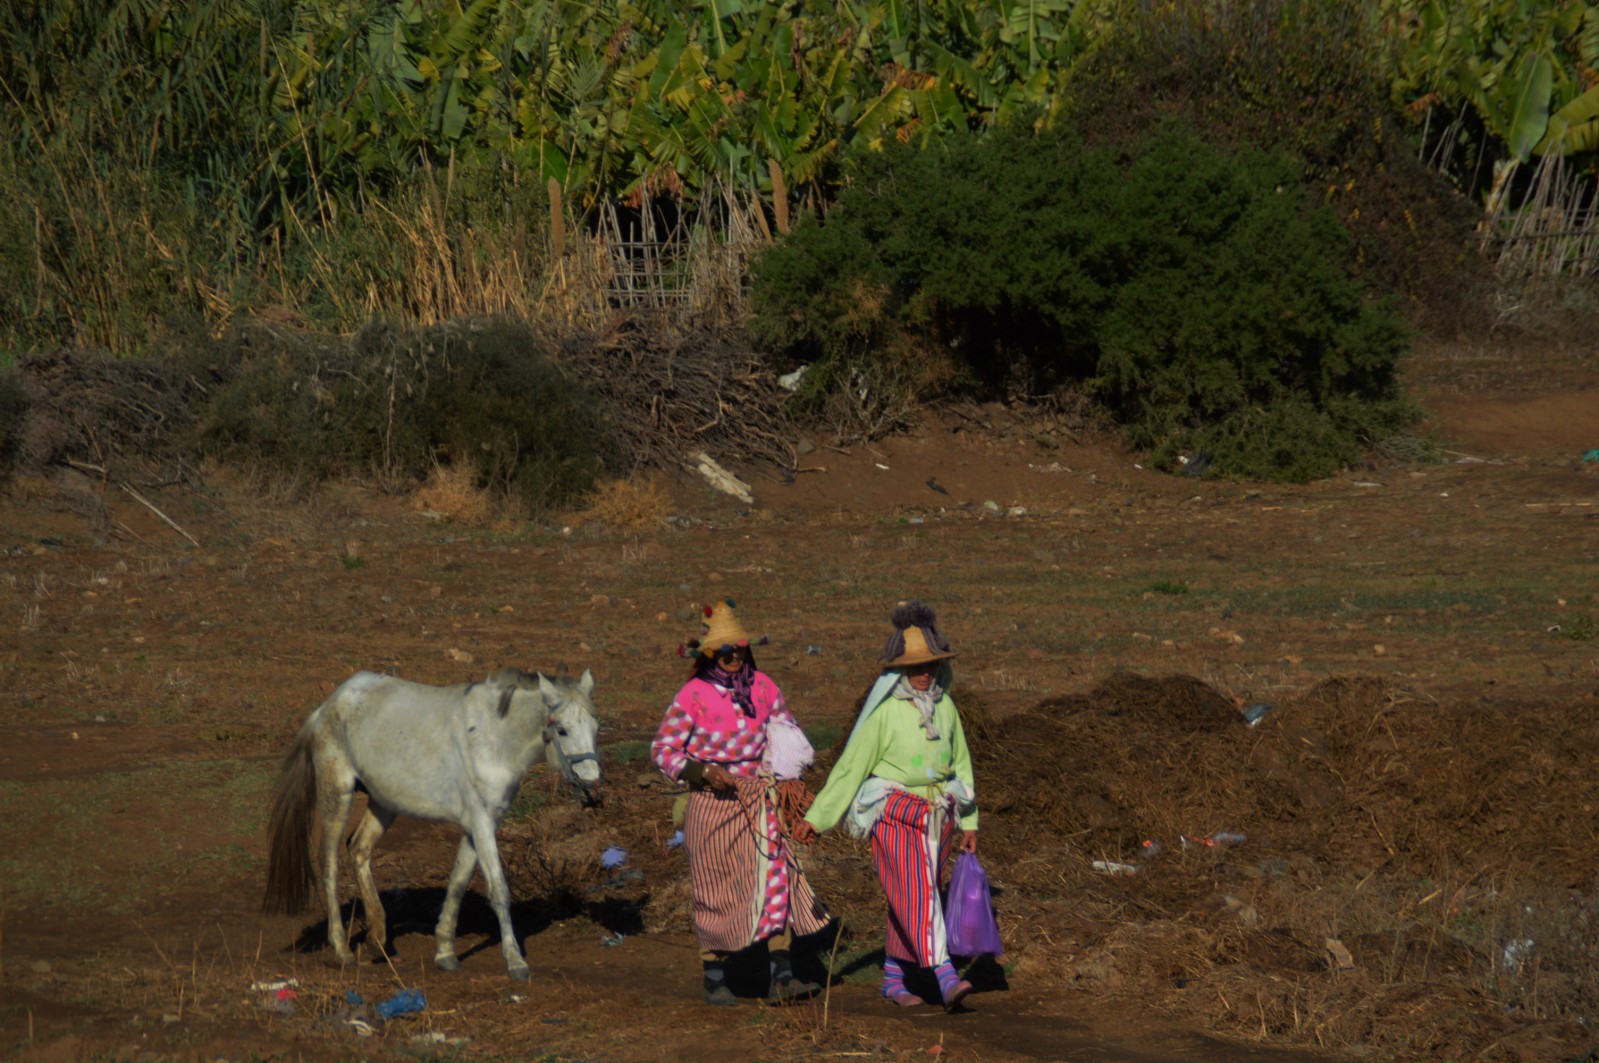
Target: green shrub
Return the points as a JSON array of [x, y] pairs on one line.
[[390, 404], [1310, 80], [1196, 292]]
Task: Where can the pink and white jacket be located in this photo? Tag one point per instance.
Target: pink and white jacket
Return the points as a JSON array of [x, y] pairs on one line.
[[704, 724]]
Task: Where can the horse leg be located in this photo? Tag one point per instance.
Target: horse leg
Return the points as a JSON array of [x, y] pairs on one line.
[[374, 822], [335, 790], [488, 854], [444, 934]]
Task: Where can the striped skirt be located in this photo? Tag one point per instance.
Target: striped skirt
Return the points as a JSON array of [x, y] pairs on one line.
[[745, 884], [909, 844]]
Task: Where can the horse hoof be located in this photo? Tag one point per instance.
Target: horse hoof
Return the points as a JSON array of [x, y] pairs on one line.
[[447, 963], [344, 959], [520, 974]]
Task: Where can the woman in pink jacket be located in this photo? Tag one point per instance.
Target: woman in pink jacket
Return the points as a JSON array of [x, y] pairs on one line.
[[745, 885]]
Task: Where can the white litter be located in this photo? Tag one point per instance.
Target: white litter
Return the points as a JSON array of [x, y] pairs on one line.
[[1111, 867], [720, 478], [273, 987]]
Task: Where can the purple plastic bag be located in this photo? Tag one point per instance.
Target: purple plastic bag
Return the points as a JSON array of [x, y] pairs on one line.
[[968, 911]]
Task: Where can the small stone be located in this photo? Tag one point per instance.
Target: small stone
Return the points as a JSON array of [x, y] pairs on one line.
[[1379, 650]]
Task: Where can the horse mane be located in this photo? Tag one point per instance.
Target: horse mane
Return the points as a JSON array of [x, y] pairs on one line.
[[512, 676]]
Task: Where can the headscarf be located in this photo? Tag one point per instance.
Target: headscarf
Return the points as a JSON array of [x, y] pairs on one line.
[[741, 682], [924, 700]]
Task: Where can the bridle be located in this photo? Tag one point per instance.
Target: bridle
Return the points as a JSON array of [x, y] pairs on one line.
[[551, 739]]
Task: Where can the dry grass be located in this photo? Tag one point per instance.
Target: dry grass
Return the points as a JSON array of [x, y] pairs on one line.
[[1449, 899], [451, 493], [632, 503], [554, 856]]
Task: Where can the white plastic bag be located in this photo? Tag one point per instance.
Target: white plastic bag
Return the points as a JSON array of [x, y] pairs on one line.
[[788, 751]]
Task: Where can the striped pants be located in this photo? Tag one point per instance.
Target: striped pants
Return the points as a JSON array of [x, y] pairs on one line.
[[744, 883], [910, 842]]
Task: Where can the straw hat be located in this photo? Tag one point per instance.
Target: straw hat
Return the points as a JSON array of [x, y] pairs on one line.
[[915, 639], [719, 630]]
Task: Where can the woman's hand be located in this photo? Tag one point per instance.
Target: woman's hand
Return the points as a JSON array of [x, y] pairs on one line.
[[718, 778], [803, 833], [969, 842]]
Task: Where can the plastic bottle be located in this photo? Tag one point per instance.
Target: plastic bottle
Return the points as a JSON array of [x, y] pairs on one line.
[[1229, 837]]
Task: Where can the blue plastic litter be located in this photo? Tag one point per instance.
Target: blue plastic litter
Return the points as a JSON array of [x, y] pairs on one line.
[[404, 1002], [675, 840], [612, 940], [353, 998], [1255, 713], [1592, 455], [615, 856]]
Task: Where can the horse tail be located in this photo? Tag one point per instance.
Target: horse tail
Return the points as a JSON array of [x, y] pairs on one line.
[[290, 871]]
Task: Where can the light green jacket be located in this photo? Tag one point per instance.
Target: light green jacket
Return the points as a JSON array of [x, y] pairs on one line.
[[891, 744]]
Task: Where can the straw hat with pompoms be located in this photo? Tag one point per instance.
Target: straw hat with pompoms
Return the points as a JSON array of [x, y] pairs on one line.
[[915, 639], [720, 630]]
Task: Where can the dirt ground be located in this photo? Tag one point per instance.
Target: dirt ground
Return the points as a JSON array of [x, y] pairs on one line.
[[1415, 878]]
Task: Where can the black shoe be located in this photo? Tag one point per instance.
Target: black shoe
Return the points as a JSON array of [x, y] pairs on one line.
[[716, 991], [786, 989]]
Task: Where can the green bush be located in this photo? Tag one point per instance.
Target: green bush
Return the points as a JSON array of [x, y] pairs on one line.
[[390, 404], [1196, 292], [1310, 80]]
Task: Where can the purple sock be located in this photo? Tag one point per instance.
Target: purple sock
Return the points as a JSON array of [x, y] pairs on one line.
[[893, 978], [947, 978]]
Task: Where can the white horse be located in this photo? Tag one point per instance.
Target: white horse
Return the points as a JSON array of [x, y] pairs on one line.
[[453, 754]]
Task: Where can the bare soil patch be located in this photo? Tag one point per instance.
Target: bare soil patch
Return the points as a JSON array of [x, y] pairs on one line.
[[1423, 637]]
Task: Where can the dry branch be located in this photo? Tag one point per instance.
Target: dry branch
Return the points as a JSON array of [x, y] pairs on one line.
[[671, 393]]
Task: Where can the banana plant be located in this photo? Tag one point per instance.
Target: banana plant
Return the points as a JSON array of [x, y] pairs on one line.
[[1574, 128]]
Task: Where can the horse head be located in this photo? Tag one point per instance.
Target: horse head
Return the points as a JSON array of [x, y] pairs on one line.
[[571, 733]]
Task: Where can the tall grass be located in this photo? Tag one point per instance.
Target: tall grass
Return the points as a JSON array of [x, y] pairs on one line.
[[170, 169]]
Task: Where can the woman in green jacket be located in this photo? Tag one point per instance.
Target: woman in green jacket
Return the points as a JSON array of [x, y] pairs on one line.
[[904, 779]]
